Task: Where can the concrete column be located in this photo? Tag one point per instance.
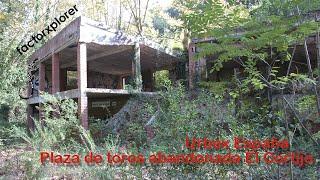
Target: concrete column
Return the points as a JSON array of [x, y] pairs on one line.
[[42, 74], [197, 68], [119, 84], [55, 73], [63, 79], [147, 79], [136, 67], [203, 75], [82, 84], [172, 75], [42, 81], [30, 123], [192, 65]]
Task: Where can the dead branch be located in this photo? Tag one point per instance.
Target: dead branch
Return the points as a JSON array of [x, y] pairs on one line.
[[290, 63], [145, 12], [311, 75], [289, 138]]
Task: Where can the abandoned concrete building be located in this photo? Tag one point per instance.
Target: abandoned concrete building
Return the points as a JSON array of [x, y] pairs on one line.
[[93, 65], [199, 70], [101, 68]]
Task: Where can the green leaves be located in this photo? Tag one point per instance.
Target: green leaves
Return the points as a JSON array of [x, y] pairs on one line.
[[283, 81], [261, 35], [204, 18]]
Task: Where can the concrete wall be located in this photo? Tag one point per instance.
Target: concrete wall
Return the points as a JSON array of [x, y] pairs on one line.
[[105, 107]]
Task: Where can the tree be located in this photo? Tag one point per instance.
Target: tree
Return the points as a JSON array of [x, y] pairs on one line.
[[138, 11], [265, 32]]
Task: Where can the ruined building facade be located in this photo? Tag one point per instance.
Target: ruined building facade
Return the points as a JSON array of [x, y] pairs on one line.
[[98, 67]]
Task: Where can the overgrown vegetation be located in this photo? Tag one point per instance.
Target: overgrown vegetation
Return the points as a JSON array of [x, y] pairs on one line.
[[178, 114], [261, 104]]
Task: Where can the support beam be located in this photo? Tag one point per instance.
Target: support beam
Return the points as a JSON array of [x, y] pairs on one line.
[[109, 68], [136, 67], [108, 53], [82, 83], [55, 73], [114, 71], [97, 56]]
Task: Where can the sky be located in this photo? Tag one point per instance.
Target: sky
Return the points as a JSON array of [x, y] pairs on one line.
[[163, 3]]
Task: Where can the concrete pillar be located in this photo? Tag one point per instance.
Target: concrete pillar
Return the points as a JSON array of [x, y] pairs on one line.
[[55, 73], [202, 73], [30, 123], [42, 81], [136, 67], [63, 79], [42, 74], [147, 79], [173, 75], [192, 65], [120, 82], [82, 84], [197, 68]]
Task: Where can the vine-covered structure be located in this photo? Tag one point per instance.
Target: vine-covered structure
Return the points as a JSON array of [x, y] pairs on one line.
[[199, 69]]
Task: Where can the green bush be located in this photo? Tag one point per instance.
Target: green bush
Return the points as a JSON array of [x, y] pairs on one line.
[[59, 131], [177, 113], [161, 79], [58, 128]]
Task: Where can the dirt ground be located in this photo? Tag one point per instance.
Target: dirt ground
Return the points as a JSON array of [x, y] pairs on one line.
[[11, 166]]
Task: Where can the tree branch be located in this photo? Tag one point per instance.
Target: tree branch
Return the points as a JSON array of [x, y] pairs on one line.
[[290, 63], [311, 75], [300, 120]]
